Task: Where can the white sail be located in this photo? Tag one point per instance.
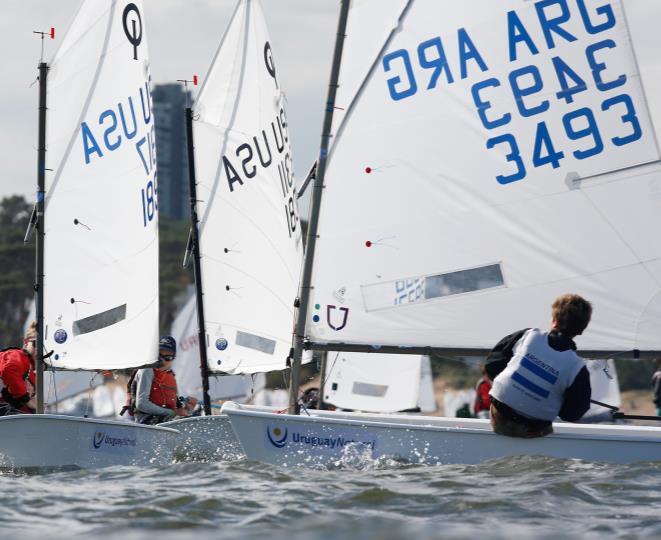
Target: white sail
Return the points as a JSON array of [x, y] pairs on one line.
[[372, 382], [187, 363], [101, 248], [427, 393], [250, 238], [494, 156], [62, 385], [605, 388]]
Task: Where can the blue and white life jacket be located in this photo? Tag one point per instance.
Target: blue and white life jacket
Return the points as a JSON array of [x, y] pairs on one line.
[[535, 379]]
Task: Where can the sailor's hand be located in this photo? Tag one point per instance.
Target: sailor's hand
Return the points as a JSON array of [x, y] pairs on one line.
[[32, 404], [181, 411], [190, 403]]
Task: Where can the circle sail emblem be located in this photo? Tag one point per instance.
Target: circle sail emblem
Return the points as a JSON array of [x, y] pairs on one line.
[[60, 336]]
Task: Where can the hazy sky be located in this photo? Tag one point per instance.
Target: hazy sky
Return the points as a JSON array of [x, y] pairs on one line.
[[183, 36]]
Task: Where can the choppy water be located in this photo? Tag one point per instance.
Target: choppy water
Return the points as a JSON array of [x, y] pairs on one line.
[[507, 498]]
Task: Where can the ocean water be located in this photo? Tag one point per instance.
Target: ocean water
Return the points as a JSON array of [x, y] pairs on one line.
[[508, 498]]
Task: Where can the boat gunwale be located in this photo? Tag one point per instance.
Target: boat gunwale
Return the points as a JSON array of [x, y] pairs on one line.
[[240, 411], [118, 423]]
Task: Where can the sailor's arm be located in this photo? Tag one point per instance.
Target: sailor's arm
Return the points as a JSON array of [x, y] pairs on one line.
[[502, 353], [577, 397], [145, 378]]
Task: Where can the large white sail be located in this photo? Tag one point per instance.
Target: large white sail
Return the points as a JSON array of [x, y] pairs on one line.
[[187, 364], [375, 382], [101, 248], [494, 156], [250, 238]]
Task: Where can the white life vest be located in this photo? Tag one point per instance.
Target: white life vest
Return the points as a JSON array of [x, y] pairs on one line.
[[535, 379]]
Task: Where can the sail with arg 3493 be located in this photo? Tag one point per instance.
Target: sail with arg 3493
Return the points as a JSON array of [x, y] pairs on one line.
[[589, 68]]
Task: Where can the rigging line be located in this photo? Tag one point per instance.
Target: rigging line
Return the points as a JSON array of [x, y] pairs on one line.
[[288, 306], [72, 22], [89, 395], [354, 101], [617, 233], [534, 285], [82, 67], [606, 371], [57, 399], [128, 256], [606, 405], [632, 253], [617, 415], [642, 87], [215, 56], [237, 102], [50, 386], [324, 377], [312, 175], [86, 105], [614, 355]]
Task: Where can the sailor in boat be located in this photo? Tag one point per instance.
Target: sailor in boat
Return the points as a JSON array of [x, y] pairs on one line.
[[310, 400], [482, 402], [538, 376], [656, 387], [154, 389], [17, 376]]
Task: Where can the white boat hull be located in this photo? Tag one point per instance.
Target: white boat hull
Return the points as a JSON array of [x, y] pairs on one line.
[[205, 438], [327, 437], [46, 441]]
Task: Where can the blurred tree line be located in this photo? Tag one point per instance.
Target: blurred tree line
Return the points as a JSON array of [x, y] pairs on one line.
[[174, 279], [17, 261], [635, 374]]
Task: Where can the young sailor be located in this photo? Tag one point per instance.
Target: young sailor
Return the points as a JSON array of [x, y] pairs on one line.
[[17, 376], [155, 389], [482, 402], [538, 376]]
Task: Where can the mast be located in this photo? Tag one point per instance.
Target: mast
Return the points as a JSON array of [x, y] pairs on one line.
[[314, 211], [40, 225], [195, 245]]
